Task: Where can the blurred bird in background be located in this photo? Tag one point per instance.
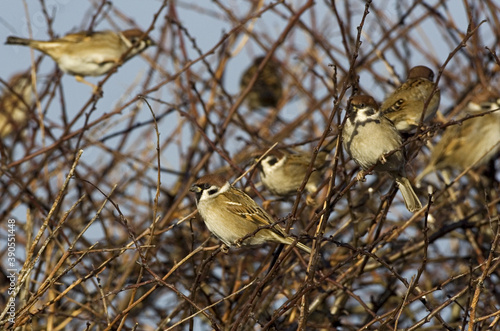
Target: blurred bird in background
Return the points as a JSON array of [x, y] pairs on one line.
[[15, 104], [89, 53], [268, 88], [472, 143]]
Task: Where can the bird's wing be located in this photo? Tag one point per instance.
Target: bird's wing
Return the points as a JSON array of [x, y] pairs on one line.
[[244, 206]]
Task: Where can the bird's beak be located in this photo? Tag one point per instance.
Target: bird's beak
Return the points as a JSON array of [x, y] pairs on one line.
[[195, 189]]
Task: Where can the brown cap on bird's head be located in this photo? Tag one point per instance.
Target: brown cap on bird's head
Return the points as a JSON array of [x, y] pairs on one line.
[[275, 151], [135, 34], [275, 154], [362, 101], [421, 72], [207, 181]]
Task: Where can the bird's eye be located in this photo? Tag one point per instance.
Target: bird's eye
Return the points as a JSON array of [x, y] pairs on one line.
[[205, 186], [272, 160]]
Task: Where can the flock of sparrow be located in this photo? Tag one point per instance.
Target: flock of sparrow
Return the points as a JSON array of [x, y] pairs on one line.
[[371, 135]]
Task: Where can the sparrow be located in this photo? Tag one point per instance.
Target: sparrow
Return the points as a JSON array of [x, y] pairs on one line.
[[282, 171], [367, 136], [89, 53], [230, 214], [405, 105], [267, 90], [15, 104], [474, 142]]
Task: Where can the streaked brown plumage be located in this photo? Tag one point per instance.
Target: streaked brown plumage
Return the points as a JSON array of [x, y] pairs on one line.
[[15, 104], [367, 136], [405, 105], [230, 214], [474, 142], [282, 171]]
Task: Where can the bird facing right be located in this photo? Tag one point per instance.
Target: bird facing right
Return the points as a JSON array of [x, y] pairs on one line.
[[89, 53], [15, 104], [367, 136], [405, 105]]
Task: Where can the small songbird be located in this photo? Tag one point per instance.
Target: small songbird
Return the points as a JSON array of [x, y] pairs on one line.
[[15, 104], [405, 105], [282, 171], [230, 214], [474, 142], [267, 90], [367, 136], [89, 53]]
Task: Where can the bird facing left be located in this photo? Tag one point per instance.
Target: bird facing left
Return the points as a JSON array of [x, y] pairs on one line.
[[234, 217], [282, 172]]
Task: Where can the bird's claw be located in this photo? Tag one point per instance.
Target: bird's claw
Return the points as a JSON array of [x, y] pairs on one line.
[[360, 177]]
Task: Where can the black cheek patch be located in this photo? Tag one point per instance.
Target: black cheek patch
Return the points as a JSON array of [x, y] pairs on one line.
[[272, 161], [212, 191], [486, 106], [370, 112]]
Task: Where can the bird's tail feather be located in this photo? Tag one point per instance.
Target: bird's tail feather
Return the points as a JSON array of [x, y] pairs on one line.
[[410, 197], [17, 41]]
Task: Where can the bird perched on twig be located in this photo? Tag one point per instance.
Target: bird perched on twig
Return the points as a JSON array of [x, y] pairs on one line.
[[268, 88], [282, 171], [15, 104], [405, 105], [473, 143], [89, 53], [367, 136], [234, 217]]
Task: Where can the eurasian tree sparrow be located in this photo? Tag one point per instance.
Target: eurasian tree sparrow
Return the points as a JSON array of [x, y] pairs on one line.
[[89, 53], [405, 105], [282, 172], [474, 142], [231, 215], [367, 136], [15, 104]]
